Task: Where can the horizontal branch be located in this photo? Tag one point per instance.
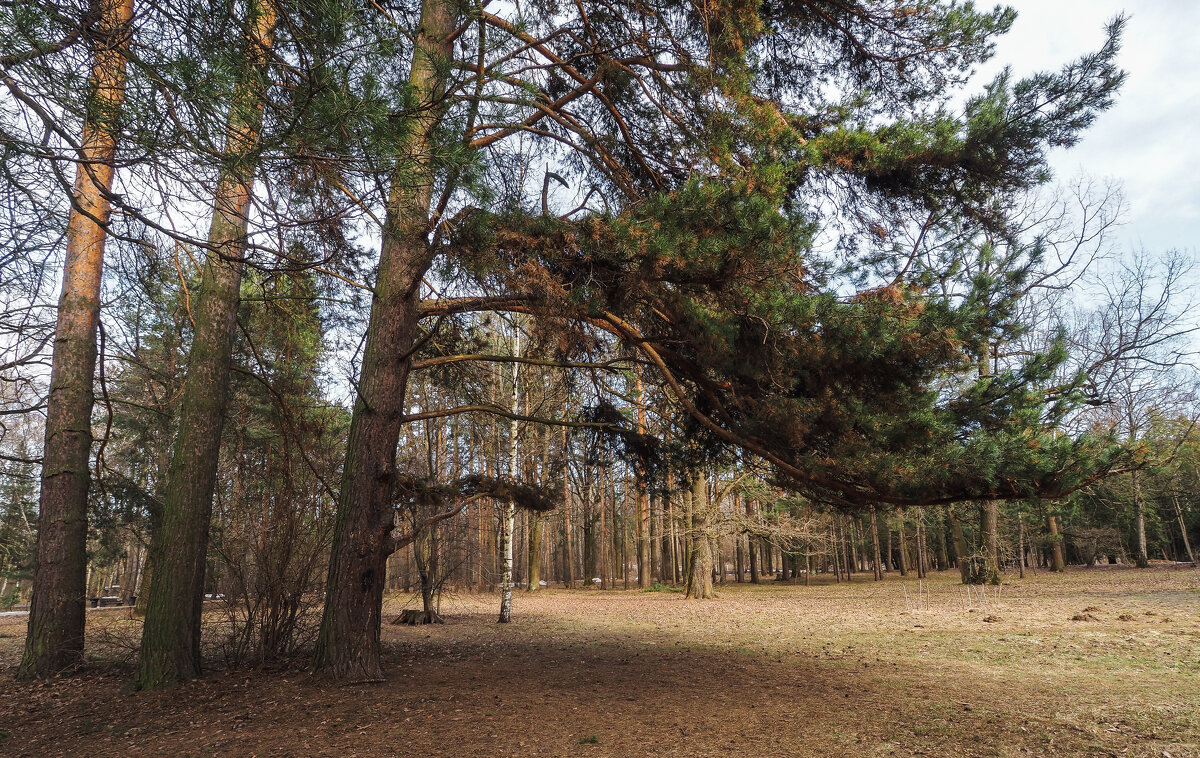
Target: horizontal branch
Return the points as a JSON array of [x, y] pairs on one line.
[[496, 410]]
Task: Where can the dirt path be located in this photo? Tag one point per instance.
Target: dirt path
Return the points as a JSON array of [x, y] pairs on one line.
[[768, 670]]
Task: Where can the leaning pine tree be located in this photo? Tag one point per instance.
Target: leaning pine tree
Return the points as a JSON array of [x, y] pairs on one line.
[[701, 262]]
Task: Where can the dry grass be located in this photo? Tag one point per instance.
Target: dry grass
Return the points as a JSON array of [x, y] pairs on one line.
[[865, 668]]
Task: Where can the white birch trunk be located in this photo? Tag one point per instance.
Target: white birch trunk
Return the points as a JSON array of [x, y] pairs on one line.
[[508, 522]]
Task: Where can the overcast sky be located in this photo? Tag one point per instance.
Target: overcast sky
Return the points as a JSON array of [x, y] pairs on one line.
[[1150, 140]]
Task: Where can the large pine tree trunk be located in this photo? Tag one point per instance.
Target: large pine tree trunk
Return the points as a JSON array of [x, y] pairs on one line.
[[699, 578], [54, 639], [989, 529], [1056, 551], [170, 650], [348, 642]]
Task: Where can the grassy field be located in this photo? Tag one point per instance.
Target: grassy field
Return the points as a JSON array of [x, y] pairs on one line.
[[1094, 662]]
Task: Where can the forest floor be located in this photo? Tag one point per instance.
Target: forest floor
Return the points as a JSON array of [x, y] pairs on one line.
[[1102, 661]]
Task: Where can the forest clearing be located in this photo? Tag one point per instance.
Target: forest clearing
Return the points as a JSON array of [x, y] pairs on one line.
[[605, 377], [769, 669]]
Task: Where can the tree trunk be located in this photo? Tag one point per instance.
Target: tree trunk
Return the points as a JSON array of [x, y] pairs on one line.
[[54, 640], [752, 543], [739, 563], [568, 547], [942, 552], [670, 530], [1056, 550], [699, 577], [878, 565], [919, 539], [960, 545], [643, 495], [1187, 543], [989, 529], [170, 650], [1020, 546], [1139, 504], [903, 543], [509, 515], [534, 574], [348, 642], [656, 570]]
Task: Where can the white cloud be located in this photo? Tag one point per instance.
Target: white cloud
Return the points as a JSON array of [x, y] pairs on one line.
[[1148, 140]]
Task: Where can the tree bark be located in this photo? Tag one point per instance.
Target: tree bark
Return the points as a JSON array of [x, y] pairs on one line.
[[656, 570], [960, 544], [1187, 543], [699, 577], [643, 495], [670, 530], [1056, 551], [534, 572], [54, 640], [878, 565], [170, 650], [509, 508], [1020, 546], [1139, 505], [568, 548], [989, 529], [348, 642], [752, 545]]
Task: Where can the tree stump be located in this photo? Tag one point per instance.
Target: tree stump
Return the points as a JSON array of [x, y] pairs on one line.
[[414, 617]]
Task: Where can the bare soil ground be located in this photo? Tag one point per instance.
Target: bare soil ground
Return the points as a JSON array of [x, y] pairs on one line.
[[858, 669]]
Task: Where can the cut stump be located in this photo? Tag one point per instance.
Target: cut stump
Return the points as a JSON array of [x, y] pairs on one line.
[[414, 617]]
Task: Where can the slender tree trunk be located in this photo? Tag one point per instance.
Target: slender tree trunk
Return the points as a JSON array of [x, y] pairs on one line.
[[852, 535], [656, 538], [1139, 505], [875, 547], [889, 550], [942, 552], [54, 640], [960, 545], [568, 547], [919, 539], [671, 528], [1021, 545], [847, 546], [903, 543], [738, 561], [348, 642], [507, 520], [643, 495], [753, 544], [170, 650], [1187, 543]]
